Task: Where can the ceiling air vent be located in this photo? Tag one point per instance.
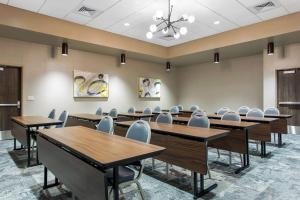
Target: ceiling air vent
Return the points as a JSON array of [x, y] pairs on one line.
[[86, 11], [168, 37], [266, 6]]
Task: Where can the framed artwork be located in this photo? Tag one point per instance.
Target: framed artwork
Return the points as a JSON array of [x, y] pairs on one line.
[[149, 87], [90, 84]]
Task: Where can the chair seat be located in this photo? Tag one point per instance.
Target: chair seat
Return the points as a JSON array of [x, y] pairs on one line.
[[125, 174]]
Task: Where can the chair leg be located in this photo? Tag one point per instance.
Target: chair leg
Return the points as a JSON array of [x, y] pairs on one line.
[[274, 138], [218, 153], [208, 172], [230, 158], [153, 164], [241, 157], [140, 190], [167, 170], [257, 146]]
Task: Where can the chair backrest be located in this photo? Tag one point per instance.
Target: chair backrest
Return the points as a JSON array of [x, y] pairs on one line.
[[243, 110], [157, 109], [174, 109], [272, 111], [113, 112], [194, 107], [140, 131], [199, 113], [106, 125], [99, 111], [63, 117], [165, 118], [255, 112], [131, 110], [199, 121], [147, 110], [52, 114], [180, 107], [223, 110], [232, 116]]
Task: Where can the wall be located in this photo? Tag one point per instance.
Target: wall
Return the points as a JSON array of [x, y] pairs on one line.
[[283, 58], [233, 83], [49, 79]]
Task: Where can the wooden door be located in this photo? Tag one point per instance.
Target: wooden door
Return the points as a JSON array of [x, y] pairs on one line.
[[10, 95], [288, 94]]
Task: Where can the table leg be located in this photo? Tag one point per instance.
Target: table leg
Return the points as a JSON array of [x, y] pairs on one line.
[[15, 144], [280, 143], [116, 183], [46, 186], [202, 191], [28, 147], [246, 159]]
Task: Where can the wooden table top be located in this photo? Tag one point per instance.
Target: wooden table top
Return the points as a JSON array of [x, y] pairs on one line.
[[157, 113], [221, 123], [87, 116], [248, 119], [274, 116], [104, 149], [182, 130], [136, 115], [32, 121]]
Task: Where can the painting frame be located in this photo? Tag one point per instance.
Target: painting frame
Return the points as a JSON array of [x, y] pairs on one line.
[[149, 88]]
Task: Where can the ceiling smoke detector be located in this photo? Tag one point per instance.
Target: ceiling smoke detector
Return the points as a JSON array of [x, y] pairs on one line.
[[266, 6], [86, 11]]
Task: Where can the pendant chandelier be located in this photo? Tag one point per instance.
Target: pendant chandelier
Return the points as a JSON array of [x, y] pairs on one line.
[[167, 26]]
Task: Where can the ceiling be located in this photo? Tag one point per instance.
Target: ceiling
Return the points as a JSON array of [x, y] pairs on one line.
[[111, 15]]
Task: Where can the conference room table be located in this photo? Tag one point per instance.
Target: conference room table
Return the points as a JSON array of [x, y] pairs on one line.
[[79, 158], [135, 115], [281, 126], [85, 119], [261, 133], [24, 127], [236, 141], [185, 146]]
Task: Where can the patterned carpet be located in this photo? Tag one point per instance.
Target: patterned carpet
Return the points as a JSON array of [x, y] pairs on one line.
[[273, 178]]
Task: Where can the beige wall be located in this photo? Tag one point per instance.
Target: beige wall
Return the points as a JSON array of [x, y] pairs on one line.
[[49, 79], [283, 58], [233, 83]]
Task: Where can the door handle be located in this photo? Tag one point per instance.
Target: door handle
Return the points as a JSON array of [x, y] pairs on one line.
[[18, 104], [289, 103]]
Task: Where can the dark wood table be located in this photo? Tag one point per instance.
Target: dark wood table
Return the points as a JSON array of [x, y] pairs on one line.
[[236, 141], [185, 147], [85, 119], [261, 132], [68, 151], [23, 127], [135, 115]]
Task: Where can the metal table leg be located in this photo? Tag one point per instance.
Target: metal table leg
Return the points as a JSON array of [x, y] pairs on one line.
[[28, 147], [246, 159], [199, 193], [116, 183]]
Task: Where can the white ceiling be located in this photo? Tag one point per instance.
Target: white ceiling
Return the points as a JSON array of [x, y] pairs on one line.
[[114, 13]]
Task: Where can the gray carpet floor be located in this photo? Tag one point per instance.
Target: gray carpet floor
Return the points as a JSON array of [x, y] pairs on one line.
[[276, 177]]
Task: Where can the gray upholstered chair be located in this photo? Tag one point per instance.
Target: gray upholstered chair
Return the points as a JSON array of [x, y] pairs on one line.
[[63, 117], [223, 110], [147, 110], [243, 110], [139, 131], [99, 111], [157, 109], [199, 113], [174, 109], [272, 111], [106, 125], [201, 121], [113, 112], [131, 110], [51, 116], [231, 116], [255, 112], [165, 118], [194, 107], [180, 107]]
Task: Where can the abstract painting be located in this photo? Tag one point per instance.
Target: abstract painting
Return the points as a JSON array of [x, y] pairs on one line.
[[90, 84], [149, 87]]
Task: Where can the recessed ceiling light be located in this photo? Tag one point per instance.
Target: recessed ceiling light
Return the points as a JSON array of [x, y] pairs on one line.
[[126, 24], [217, 22]]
